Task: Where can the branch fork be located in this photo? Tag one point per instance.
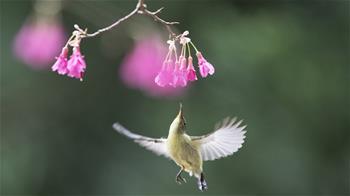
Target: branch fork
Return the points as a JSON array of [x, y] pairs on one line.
[[141, 8]]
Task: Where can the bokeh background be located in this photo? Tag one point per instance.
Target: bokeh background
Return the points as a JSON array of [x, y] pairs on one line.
[[282, 66]]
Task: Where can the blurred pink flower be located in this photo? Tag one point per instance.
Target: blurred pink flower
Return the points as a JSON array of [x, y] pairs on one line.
[[38, 42], [205, 67], [76, 64], [141, 66]]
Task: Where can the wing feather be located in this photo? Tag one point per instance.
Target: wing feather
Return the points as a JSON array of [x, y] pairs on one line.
[[156, 145], [224, 141]]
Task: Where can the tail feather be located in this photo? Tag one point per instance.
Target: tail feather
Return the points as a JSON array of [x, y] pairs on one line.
[[202, 184]]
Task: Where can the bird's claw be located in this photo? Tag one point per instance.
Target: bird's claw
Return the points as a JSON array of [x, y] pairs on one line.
[[179, 179]]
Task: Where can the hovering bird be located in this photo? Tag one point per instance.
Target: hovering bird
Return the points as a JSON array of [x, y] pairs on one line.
[[189, 152]]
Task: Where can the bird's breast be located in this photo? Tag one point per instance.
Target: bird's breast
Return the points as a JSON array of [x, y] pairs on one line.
[[183, 152], [175, 143]]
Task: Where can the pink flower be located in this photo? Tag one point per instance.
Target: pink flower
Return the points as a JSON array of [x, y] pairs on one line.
[[61, 64], [37, 43], [76, 64], [205, 67], [191, 72], [165, 76], [143, 68], [180, 73]]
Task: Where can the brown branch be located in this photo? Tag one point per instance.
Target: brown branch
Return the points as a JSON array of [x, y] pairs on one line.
[[158, 19], [141, 8], [112, 25]]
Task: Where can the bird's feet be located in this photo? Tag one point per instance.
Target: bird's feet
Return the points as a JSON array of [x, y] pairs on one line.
[[179, 179]]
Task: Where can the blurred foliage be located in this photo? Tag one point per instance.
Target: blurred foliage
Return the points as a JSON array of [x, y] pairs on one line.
[[282, 66]]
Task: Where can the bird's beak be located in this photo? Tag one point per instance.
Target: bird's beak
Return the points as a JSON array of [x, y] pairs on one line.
[[180, 114], [181, 119]]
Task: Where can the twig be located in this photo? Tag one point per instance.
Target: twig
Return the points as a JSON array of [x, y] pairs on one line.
[[112, 25], [141, 8], [156, 18]]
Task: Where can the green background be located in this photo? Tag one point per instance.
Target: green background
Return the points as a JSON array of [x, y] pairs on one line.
[[282, 66]]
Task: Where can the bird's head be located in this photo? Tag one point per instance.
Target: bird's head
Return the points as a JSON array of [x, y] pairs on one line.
[[179, 123]]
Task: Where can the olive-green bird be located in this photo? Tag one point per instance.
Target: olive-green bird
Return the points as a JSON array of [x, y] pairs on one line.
[[189, 152]]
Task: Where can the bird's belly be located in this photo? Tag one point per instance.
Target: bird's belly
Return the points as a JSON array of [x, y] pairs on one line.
[[185, 155]]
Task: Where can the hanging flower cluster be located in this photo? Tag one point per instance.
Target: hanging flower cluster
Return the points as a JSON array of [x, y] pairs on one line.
[[75, 66], [178, 70]]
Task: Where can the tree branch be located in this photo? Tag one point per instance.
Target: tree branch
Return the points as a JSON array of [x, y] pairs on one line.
[[141, 8]]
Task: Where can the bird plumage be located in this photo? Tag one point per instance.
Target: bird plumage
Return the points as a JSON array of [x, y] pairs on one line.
[[189, 152], [223, 141]]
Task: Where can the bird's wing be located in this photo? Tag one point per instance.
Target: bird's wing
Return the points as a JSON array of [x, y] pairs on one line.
[[225, 140], [156, 145]]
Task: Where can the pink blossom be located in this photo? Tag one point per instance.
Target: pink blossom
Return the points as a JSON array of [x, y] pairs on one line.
[[61, 64], [143, 67], [205, 67], [191, 72], [165, 76], [37, 43], [180, 73], [76, 64]]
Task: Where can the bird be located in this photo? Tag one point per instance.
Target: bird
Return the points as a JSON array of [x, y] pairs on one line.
[[189, 152]]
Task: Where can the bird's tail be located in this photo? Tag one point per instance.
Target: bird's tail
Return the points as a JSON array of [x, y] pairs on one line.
[[202, 184]]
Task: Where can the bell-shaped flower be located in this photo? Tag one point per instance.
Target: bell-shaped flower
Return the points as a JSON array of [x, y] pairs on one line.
[[76, 64], [165, 76], [180, 73], [191, 72], [61, 63], [205, 67]]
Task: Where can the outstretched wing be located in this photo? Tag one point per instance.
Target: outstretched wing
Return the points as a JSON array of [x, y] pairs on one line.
[[156, 145], [225, 140]]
